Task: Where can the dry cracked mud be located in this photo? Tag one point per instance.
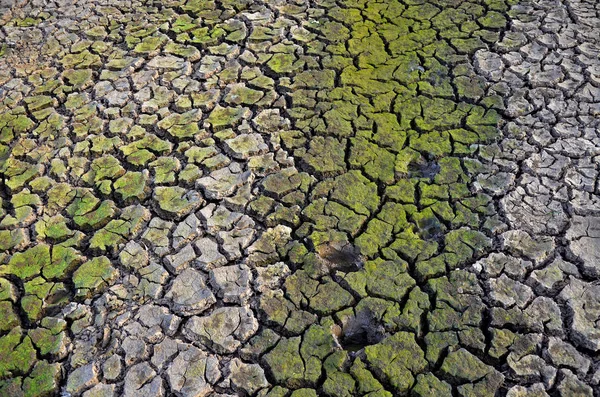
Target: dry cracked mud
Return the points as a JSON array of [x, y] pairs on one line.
[[300, 198]]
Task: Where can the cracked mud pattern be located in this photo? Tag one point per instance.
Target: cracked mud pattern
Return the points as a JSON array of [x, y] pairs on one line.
[[300, 198]]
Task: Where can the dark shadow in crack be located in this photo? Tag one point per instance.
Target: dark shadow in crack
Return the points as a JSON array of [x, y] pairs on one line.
[[341, 256], [362, 330]]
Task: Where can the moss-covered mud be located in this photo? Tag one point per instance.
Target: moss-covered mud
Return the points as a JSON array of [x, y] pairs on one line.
[[297, 199]]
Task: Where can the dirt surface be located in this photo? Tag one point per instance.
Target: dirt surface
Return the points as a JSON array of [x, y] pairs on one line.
[[300, 198]]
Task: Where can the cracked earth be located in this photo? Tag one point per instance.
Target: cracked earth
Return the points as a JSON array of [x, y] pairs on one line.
[[300, 198]]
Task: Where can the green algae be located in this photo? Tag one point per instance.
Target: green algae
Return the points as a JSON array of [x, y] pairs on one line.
[[43, 379], [132, 187], [92, 276], [18, 352], [396, 107], [397, 359], [286, 363], [29, 263]]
